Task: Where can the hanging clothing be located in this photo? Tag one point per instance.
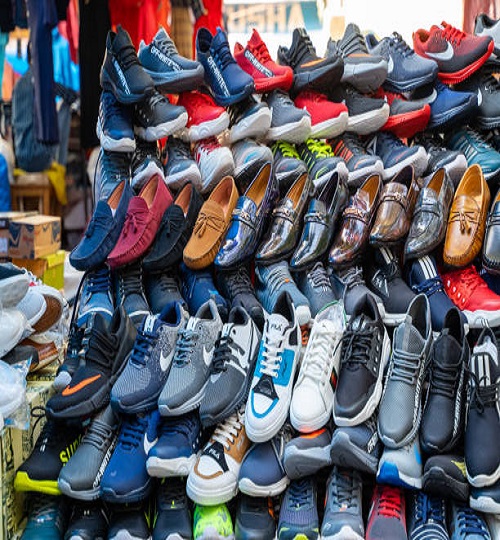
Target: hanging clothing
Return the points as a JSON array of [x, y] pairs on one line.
[[6, 16], [4, 38], [211, 18]]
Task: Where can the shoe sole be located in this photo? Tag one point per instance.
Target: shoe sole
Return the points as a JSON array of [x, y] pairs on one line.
[[356, 178], [136, 495], [186, 407], [485, 122], [210, 533], [140, 179], [436, 481], [488, 505], [345, 533], [210, 496], [374, 399], [484, 480], [214, 172], [344, 453], [408, 124], [10, 291], [255, 126], [389, 473], [87, 495], [85, 409], [23, 482], [330, 128], [480, 318], [155, 133], [294, 133], [108, 84], [462, 74], [124, 535], [456, 115], [366, 78], [178, 81], [210, 128], [317, 79], [169, 468], [341, 170], [248, 487], [418, 161], [300, 463], [369, 122], [409, 84], [179, 180], [124, 144]]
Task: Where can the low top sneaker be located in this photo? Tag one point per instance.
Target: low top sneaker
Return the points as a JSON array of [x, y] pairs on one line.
[[487, 500], [47, 518], [214, 161], [171, 72], [405, 69], [139, 385], [114, 125], [482, 455], [313, 393], [130, 293], [366, 348], [121, 71], [458, 55], [400, 407], [232, 367], [177, 447], [145, 163], [249, 118], [321, 161], [179, 165], [343, 506], [288, 122], [249, 158], [191, 362], [214, 478], [255, 518], [173, 519], [310, 71], [228, 82], [427, 517], [401, 466], [328, 119], [287, 165], [81, 477], [363, 70], [111, 169], [450, 107], [255, 59], [467, 524], [360, 164], [445, 476], [486, 26], [387, 517], [271, 389], [105, 347], [315, 285], [138, 434], [96, 296], [212, 522], [129, 520]]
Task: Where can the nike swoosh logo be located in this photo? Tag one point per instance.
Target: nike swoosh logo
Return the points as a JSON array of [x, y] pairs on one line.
[[70, 390], [165, 361], [447, 54], [148, 445], [479, 97], [207, 356], [390, 65]]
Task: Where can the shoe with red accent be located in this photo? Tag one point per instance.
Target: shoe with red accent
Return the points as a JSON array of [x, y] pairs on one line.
[[406, 118], [457, 54], [387, 518], [470, 293], [141, 222], [257, 62], [205, 118], [328, 119]]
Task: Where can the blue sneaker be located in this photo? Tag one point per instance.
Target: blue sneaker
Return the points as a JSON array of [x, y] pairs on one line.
[[228, 82], [450, 106], [179, 441], [402, 467], [115, 128], [396, 155], [486, 499], [262, 472], [88, 521], [423, 277], [198, 287], [47, 518], [96, 296], [299, 512], [427, 517], [103, 230], [138, 434], [476, 151], [275, 279], [129, 291], [467, 524], [161, 289], [140, 383], [112, 169]]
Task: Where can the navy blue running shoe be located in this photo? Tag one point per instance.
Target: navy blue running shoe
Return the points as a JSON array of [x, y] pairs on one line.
[[96, 296], [129, 521], [449, 107], [112, 169], [427, 517], [228, 82], [88, 521], [173, 520], [467, 524], [114, 125], [299, 512]]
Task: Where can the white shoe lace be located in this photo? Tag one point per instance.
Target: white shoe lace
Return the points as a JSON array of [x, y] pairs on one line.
[[226, 432], [320, 353], [271, 358]]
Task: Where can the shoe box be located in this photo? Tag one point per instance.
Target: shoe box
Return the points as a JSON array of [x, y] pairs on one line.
[[49, 268], [33, 237], [5, 219], [16, 444]]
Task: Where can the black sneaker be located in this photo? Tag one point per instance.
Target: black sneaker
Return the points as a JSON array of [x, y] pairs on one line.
[[310, 71], [129, 521], [129, 292], [383, 276], [321, 161], [55, 445], [145, 163], [106, 346], [443, 417], [161, 289], [315, 285], [174, 514], [88, 521], [255, 518], [235, 285], [71, 358], [445, 475], [366, 348], [121, 71]]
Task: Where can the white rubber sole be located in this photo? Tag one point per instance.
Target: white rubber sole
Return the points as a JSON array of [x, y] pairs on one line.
[[124, 145], [179, 180], [249, 488], [186, 407], [370, 121], [208, 129], [330, 128], [480, 318], [408, 480], [167, 468], [140, 179], [155, 133], [341, 170], [13, 289], [356, 178], [214, 168], [484, 480], [418, 161], [345, 533], [312, 424], [294, 133], [210, 533], [122, 535], [485, 504], [254, 127], [210, 495]]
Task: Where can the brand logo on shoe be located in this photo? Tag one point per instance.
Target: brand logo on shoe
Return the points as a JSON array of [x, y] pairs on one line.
[[251, 58], [447, 54], [164, 58], [380, 283], [479, 97], [149, 444], [121, 76], [218, 75], [372, 443], [70, 390], [165, 360], [105, 462], [207, 356], [390, 65], [460, 465], [70, 450]]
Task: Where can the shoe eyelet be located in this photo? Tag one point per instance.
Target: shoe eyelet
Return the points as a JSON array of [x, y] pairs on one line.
[[454, 289]]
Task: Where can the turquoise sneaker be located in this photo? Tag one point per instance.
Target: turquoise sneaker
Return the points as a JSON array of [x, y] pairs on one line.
[[46, 519]]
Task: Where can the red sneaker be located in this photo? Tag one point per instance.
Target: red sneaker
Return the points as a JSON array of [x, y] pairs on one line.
[[470, 293], [141, 222], [205, 118], [406, 118], [257, 62], [328, 119], [457, 54], [387, 518]]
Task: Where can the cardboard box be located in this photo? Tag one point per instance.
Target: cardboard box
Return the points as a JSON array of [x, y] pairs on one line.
[[35, 236], [50, 269], [5, 219]]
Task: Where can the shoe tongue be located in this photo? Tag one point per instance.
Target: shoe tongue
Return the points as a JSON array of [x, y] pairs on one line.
[[447, 350], [333, 316], [122, 40], [151, 324], [219, 40], [192, 322], [161, 35], [360, 322], [255, 39], [277, 325], [407, 338], [489, 348]]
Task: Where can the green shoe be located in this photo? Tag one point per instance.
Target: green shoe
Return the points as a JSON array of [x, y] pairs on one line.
[[212, 523]]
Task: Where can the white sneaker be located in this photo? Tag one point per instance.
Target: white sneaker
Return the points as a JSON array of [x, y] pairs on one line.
[[493, 521], [271, 390], [214, 478], [33, 306], [313, 395], [214, 161], [12, 329]]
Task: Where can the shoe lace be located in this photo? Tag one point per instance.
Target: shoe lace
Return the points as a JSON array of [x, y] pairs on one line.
[[74, 341], [271, 357], [352, 276], [278, 277], [354, 44], [286, 149], [98, 347], [465, 217], [317, 363], [207, 220], [319, 277], [166, 45], [261, 52], [50, 431], [226, 432], [477, 139], [132, 432], [319, 148], [429, 509], [144, 150], [127, 56], [97, 434], [453, 34], [184, 346], [223, 55], [482, 395], [346, 489], [470, 523], [299, 492], [180, 148], [143, 345], [130, 280], [185, 426], [223, 352], [115, 165], [443, 378], [429, 286], [400, 44], [314, 96], [405, 366], [206, 146], [42, 507], [356, 346], [239, 282], [168, 284], [156, 98], [353, 143], [469, 281], [99, 281], [390, 503]]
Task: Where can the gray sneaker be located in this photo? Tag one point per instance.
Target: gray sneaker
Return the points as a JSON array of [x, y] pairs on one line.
[[192, 362], [180, 166], [402, 466], [80, 478], [306, 454], [288, 122], [138, 387], [249, 158], [343, 516], [400, 407], [316, 287]]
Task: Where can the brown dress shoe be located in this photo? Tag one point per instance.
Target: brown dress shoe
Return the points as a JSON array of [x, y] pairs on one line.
[[395, 209], [357, 219], [211, 225], [467, 221]]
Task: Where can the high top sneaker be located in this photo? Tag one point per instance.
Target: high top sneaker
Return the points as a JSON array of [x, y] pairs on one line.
[[130, 292]]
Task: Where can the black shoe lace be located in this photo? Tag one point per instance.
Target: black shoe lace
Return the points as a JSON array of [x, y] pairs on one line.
[[223, 55], [179, 149], [304, 49], [277, 277], [132, 432], [144, 150], [354, 44], [238, 282], [429, 286], [130, 280], [346, 489], [184, 347], [74, 342], [127, 56], [482, 396], [50, 430], [237, 110], [223, 353], [43, 506], [400, 44], [491, 83], [354, 144], [405, 367], [356, 347], [300, 493], [143, 345], [168, 284], [185, 426], [166, 45], [443, 379], [116, 165]]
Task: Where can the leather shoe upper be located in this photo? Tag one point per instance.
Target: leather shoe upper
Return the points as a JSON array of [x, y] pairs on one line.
[[491, 248]]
